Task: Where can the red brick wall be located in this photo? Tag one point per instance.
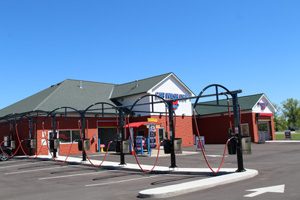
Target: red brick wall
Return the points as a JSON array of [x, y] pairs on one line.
[[215, 129], [62, 124]]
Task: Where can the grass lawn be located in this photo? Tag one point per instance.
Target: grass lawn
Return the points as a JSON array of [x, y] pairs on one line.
[[280, 135]]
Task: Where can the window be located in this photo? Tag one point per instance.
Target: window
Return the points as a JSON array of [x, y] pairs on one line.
[[69, 136]]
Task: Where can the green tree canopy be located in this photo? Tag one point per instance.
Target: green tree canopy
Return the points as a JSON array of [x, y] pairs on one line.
[[279, 119], [291, 111]]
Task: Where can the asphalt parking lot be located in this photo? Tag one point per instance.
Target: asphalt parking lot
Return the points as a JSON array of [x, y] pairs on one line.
[[44, 179]]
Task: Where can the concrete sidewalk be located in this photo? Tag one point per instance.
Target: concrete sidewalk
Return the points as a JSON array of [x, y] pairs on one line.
[[173, 190], [283, 141]]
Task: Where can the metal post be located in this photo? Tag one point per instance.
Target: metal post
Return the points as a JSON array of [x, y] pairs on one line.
[[30, 135], [54, 134], [121, 128], [237, 131], [172, 134], [83, 136]]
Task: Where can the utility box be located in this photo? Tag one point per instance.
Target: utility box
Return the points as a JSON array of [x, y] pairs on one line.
[[6, 141], [125, 146], [87, 144], [54, 144], [178, 145], [12, 144], [246, 145], [33, 143]]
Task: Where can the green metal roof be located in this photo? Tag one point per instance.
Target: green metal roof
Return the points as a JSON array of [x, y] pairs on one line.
[[245, 102], [137, 87], [72, 93]]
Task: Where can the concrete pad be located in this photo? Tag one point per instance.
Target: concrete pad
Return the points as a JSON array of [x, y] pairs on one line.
[[193, 186]]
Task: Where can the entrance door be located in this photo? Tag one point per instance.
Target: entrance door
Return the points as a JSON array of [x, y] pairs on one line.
[[264, 131], [107, 134]]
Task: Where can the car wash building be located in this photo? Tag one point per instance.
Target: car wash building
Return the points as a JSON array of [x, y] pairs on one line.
[[100, 128], [257, 119]]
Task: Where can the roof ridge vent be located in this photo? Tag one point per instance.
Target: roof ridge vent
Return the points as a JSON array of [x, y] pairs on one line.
[[136, 84]]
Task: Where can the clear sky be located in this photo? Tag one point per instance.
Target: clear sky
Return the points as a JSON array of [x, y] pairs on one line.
[[253, 45]]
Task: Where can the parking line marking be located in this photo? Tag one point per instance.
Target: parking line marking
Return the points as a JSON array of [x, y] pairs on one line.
[[34, 170], [122, 181], [70, 175], [34, 163]]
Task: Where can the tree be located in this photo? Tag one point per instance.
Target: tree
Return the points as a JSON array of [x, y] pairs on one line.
[[291, 111], [279, 119]]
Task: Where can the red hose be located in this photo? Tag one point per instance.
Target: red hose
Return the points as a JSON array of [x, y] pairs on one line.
[[136, 158], [204, 154], [19, 140], [13, 155], [106, 153], [97, 166]]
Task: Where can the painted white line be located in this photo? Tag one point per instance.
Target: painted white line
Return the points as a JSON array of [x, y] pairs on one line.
[[34, 163], [35, 170], [70, 175], [271, 189], [117, 182], [216, 156]]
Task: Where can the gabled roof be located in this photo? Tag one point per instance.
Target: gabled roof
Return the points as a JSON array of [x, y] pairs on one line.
[[73, 93], [246, 103], [137, 87]]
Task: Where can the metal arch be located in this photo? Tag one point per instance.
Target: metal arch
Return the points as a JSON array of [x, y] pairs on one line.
[[101, 103], [64, 107], [28, 114], [147, 95], [209, 86]]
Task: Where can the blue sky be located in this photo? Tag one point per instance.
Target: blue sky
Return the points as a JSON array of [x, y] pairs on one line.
[[249, 45]]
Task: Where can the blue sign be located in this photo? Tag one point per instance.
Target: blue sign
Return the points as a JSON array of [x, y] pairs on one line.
[[171, 96]]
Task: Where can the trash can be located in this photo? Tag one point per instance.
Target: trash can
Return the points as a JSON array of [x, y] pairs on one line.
[[287, 135], [246, 145], [232, 146], [177, 145], [167, 146]]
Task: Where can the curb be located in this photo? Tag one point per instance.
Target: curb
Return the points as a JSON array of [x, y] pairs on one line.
[[193, 186], [283, 141]]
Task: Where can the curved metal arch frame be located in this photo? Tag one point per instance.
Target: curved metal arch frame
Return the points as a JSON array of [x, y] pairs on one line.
[[210, 86], [63, 107], [237, 125], [169, 105], [101, 103], [148, 95]]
